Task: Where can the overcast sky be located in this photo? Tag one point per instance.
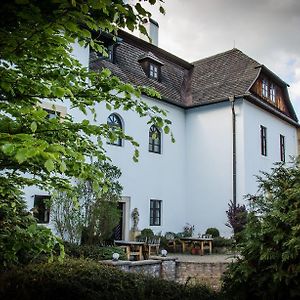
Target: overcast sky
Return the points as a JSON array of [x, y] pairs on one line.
[[266, 30]]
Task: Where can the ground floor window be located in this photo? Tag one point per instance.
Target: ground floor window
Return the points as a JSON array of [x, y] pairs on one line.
[[41, 209], [155, 212]]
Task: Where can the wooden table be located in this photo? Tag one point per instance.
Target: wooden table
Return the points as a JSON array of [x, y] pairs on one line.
[[132, 248], [203, 242]]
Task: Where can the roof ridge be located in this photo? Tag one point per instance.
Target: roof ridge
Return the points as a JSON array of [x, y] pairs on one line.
[[222, 53]]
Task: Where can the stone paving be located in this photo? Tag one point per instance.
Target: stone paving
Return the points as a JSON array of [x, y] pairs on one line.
[[208, 258]]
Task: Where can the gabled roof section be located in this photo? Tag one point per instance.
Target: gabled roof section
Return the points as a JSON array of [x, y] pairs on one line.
[[223, 75], [210, 80], [127, 66], [149, 55]]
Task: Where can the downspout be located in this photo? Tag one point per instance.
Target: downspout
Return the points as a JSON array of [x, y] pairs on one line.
[[233, 114]]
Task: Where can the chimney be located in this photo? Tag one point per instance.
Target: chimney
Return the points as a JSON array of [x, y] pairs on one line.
[[152, 30]]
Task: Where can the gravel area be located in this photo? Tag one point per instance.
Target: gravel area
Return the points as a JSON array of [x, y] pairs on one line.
[[209, 258]]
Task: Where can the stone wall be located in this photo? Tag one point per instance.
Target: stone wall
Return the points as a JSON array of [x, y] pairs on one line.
[[196, 272], [162, 267], [171, 269]]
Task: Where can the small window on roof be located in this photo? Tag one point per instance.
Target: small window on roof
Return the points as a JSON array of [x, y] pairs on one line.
[[272, 92], [265, 88], [153, 71]]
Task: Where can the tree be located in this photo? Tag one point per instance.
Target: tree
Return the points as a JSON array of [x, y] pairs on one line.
[[36, 63], [93, 218], [21, 239], [270, 243], [237, 218]]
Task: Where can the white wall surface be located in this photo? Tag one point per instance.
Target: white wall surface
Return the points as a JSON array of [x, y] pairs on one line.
[[209, 166], [192, 177], [155, 176], [254, 117]]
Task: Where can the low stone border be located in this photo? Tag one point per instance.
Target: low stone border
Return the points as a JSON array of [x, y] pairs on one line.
[[170, 268]]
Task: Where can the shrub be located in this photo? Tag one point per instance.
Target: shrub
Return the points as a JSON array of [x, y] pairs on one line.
[[237, 218], [22, 240], [188, 230], [213, 231], [222, 242], [93, 252], [270, 244], [147, 232], [81, 279]]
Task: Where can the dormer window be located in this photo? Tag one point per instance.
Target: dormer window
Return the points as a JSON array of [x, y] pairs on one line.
[[268, 90], [109, 43], [272, 92], [153, 71], [265, 88], [151, 65]]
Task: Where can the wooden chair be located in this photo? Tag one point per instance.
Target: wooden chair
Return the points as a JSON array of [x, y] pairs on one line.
[[206, 245], [145, 248], [126, 250], [153, 244], [170, 236]]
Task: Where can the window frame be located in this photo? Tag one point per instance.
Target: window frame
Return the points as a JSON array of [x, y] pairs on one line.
[[114, 121], [265, 88], [272, 92], [282, 147], [153, 71], [154, 145], [263, 140], [155, 212], [40, 211]]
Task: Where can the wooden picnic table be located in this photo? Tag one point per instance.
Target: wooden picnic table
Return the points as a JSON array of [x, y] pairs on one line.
[[201, 241], [132, 248]]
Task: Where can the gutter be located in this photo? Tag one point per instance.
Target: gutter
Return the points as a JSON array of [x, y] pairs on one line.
[[233, 114]]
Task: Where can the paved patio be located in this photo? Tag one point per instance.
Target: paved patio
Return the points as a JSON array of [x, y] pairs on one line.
[[212, 258]]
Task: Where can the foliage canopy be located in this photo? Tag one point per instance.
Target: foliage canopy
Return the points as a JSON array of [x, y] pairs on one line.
[[270, 243], [36, 63]]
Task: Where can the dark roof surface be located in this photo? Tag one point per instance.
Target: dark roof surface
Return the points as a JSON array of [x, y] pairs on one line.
[[206, 81], [223, 75], [128, 68]]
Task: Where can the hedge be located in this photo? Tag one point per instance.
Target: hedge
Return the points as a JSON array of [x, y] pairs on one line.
[[93, 252], [88, 280]]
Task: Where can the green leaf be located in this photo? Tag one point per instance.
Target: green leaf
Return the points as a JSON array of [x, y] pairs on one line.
[[104, 188], [21, 156], [33, 126], [58, 91], [63, 167], [8, 149], [166, 129], [49, 165]]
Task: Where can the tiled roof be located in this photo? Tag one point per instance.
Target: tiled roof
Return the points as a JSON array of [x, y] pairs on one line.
[[128, 68], [206, 81], [230, 73]]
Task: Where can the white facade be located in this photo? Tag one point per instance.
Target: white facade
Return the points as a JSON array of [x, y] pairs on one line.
[[193, 177]]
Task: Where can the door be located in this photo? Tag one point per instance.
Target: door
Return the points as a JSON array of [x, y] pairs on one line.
[[118, 233]]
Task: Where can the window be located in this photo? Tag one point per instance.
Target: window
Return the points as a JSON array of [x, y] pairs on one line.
[[154, 140], [272, 92], [155, 212], [114, 121], [153, 71], [41, 210], [282, 148], [263, 140], [265, 88]]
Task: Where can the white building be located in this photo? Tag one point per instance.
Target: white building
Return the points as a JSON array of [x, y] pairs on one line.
[[232, 118]]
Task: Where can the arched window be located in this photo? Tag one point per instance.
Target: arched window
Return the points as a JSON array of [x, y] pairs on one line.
[[114, 121], [154, 140]]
